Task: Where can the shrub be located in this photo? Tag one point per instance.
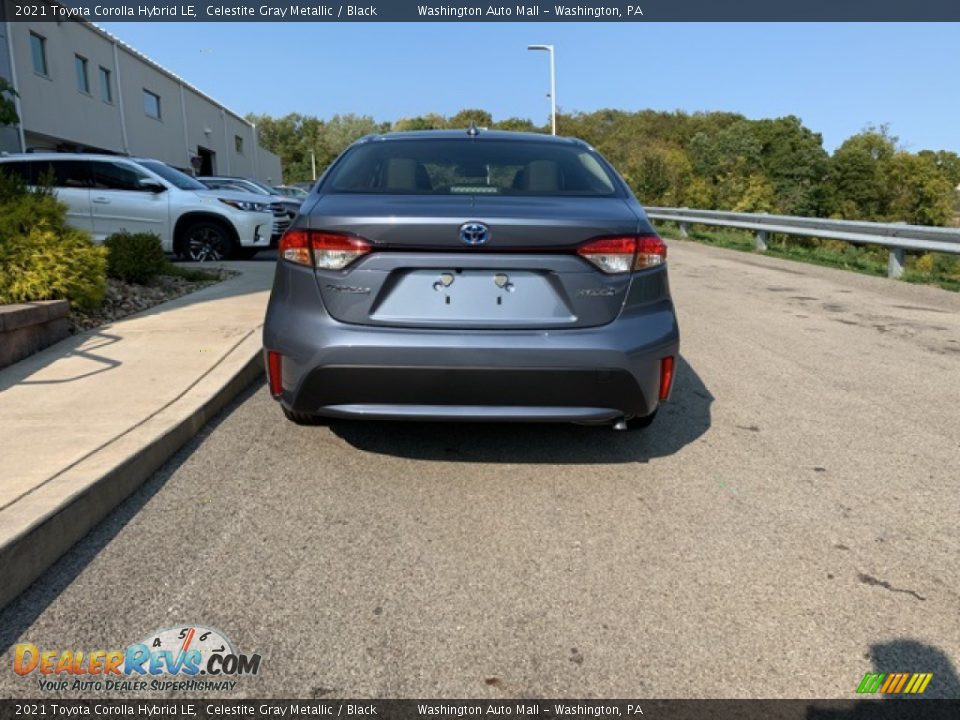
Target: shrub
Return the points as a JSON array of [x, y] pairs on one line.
[[21, 209], [40, 257], [48, 264], [135, 257]]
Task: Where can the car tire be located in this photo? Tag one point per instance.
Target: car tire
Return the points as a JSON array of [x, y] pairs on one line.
[[207, 241], [301, 418]]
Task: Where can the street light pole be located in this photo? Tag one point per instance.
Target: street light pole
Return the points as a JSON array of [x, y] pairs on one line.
[[553, 85]]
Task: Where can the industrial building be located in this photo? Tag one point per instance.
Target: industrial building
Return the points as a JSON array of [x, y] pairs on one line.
[[81, 89]]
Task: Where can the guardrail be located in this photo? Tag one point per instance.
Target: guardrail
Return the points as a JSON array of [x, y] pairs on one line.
[[898, 237]]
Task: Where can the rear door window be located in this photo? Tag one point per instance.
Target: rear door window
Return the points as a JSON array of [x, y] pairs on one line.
[[58, 173], [19, 170]]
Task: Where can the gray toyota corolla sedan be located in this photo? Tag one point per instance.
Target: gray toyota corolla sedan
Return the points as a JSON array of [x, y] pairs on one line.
[[471, 275]]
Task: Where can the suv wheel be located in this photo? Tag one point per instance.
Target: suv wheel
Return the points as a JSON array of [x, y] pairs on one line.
[[207, 241]]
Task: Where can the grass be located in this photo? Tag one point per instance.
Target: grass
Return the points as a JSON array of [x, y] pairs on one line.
[[926, 269]]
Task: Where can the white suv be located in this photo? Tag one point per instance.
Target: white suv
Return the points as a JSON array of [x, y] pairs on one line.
[[106, 194]]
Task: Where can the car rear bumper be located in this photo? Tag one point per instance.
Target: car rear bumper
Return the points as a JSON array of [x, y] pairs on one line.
[[586, 374], [509, 393]]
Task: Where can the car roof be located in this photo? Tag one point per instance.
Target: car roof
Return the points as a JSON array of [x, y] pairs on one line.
[[481, 134], [69, 156]]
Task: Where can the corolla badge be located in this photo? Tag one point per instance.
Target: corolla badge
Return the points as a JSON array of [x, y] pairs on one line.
[[474, 233]]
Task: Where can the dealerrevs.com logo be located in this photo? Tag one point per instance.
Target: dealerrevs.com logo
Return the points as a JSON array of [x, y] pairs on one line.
[[190, 659]]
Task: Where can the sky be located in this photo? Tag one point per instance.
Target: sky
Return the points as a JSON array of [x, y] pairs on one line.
[[838, 78]]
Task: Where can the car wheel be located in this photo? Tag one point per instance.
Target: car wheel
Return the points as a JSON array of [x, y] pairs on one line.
[[302, 418], [207, 241]]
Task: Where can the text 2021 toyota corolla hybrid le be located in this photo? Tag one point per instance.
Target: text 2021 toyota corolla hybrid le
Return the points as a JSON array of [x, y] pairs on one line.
[[471, 275]]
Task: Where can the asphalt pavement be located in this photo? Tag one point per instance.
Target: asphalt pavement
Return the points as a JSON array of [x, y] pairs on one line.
[[788, 523]]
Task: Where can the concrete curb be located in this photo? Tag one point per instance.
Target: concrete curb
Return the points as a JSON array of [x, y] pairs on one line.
[[28, 554]]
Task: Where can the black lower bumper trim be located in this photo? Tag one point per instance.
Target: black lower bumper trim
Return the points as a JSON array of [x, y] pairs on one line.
[[334, 385]]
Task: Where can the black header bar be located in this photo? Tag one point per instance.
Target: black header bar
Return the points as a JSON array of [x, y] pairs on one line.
[[214, 709], [457, 11]]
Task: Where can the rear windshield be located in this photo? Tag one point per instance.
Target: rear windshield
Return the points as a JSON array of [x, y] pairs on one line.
[[489, 167]]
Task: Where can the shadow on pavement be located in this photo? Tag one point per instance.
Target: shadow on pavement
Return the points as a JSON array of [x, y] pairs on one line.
[[85, 343], [23, 611], [82, 346], [900, 656], [684, 419], [912, 656]]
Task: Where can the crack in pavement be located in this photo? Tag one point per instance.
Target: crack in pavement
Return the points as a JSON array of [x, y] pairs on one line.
[[870, 580]]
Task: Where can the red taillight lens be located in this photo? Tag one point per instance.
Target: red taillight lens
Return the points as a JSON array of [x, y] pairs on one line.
[[666, 377], [624, 253], [295, 246], [651, 250], [275, 373], [323, 250]]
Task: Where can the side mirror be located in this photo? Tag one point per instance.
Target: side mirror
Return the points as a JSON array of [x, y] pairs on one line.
[[152, 186]]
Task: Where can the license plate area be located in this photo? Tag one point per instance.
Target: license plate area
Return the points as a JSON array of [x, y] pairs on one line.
[[473, 296]]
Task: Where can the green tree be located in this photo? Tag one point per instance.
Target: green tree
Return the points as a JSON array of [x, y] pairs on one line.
[[858, 176], [920, 192], [342, 130], [430, 121], [518, 125], [701, 160], [948, 162], [480, 118], [792, 158], [8, 108], [759, 195]]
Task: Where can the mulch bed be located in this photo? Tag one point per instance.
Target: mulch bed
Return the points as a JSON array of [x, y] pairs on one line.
[[123, 299]]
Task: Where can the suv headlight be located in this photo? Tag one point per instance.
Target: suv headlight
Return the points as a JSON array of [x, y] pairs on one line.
[[244, 205]]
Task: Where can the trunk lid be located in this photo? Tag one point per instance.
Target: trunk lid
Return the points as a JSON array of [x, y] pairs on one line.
[[422, 274]]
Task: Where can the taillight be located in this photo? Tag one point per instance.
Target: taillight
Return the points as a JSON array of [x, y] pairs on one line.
[[323, 250], [651, 250], [666, 377], [295, 246], [275, 373], [334, 252], [624, 253]]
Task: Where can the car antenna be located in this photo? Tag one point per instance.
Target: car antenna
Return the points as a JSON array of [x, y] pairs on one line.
[[472, 130]]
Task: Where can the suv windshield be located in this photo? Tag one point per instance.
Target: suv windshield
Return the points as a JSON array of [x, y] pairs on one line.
[[172, 176], [488, 167]]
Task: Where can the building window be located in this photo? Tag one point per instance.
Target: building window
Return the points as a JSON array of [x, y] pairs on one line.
[[106, 92], [151, 104], [38, 48], [238, 144], [83, 81]]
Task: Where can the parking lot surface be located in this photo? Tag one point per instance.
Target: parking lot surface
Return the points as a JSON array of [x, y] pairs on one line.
[[788, 523]]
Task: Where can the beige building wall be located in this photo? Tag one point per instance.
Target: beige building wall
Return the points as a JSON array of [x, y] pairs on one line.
[[56, 114]]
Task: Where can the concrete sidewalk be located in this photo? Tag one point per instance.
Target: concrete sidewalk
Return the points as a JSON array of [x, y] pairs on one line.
[[90, 418]]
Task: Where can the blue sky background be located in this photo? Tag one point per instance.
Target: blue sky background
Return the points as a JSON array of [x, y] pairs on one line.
[[837, 77]]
